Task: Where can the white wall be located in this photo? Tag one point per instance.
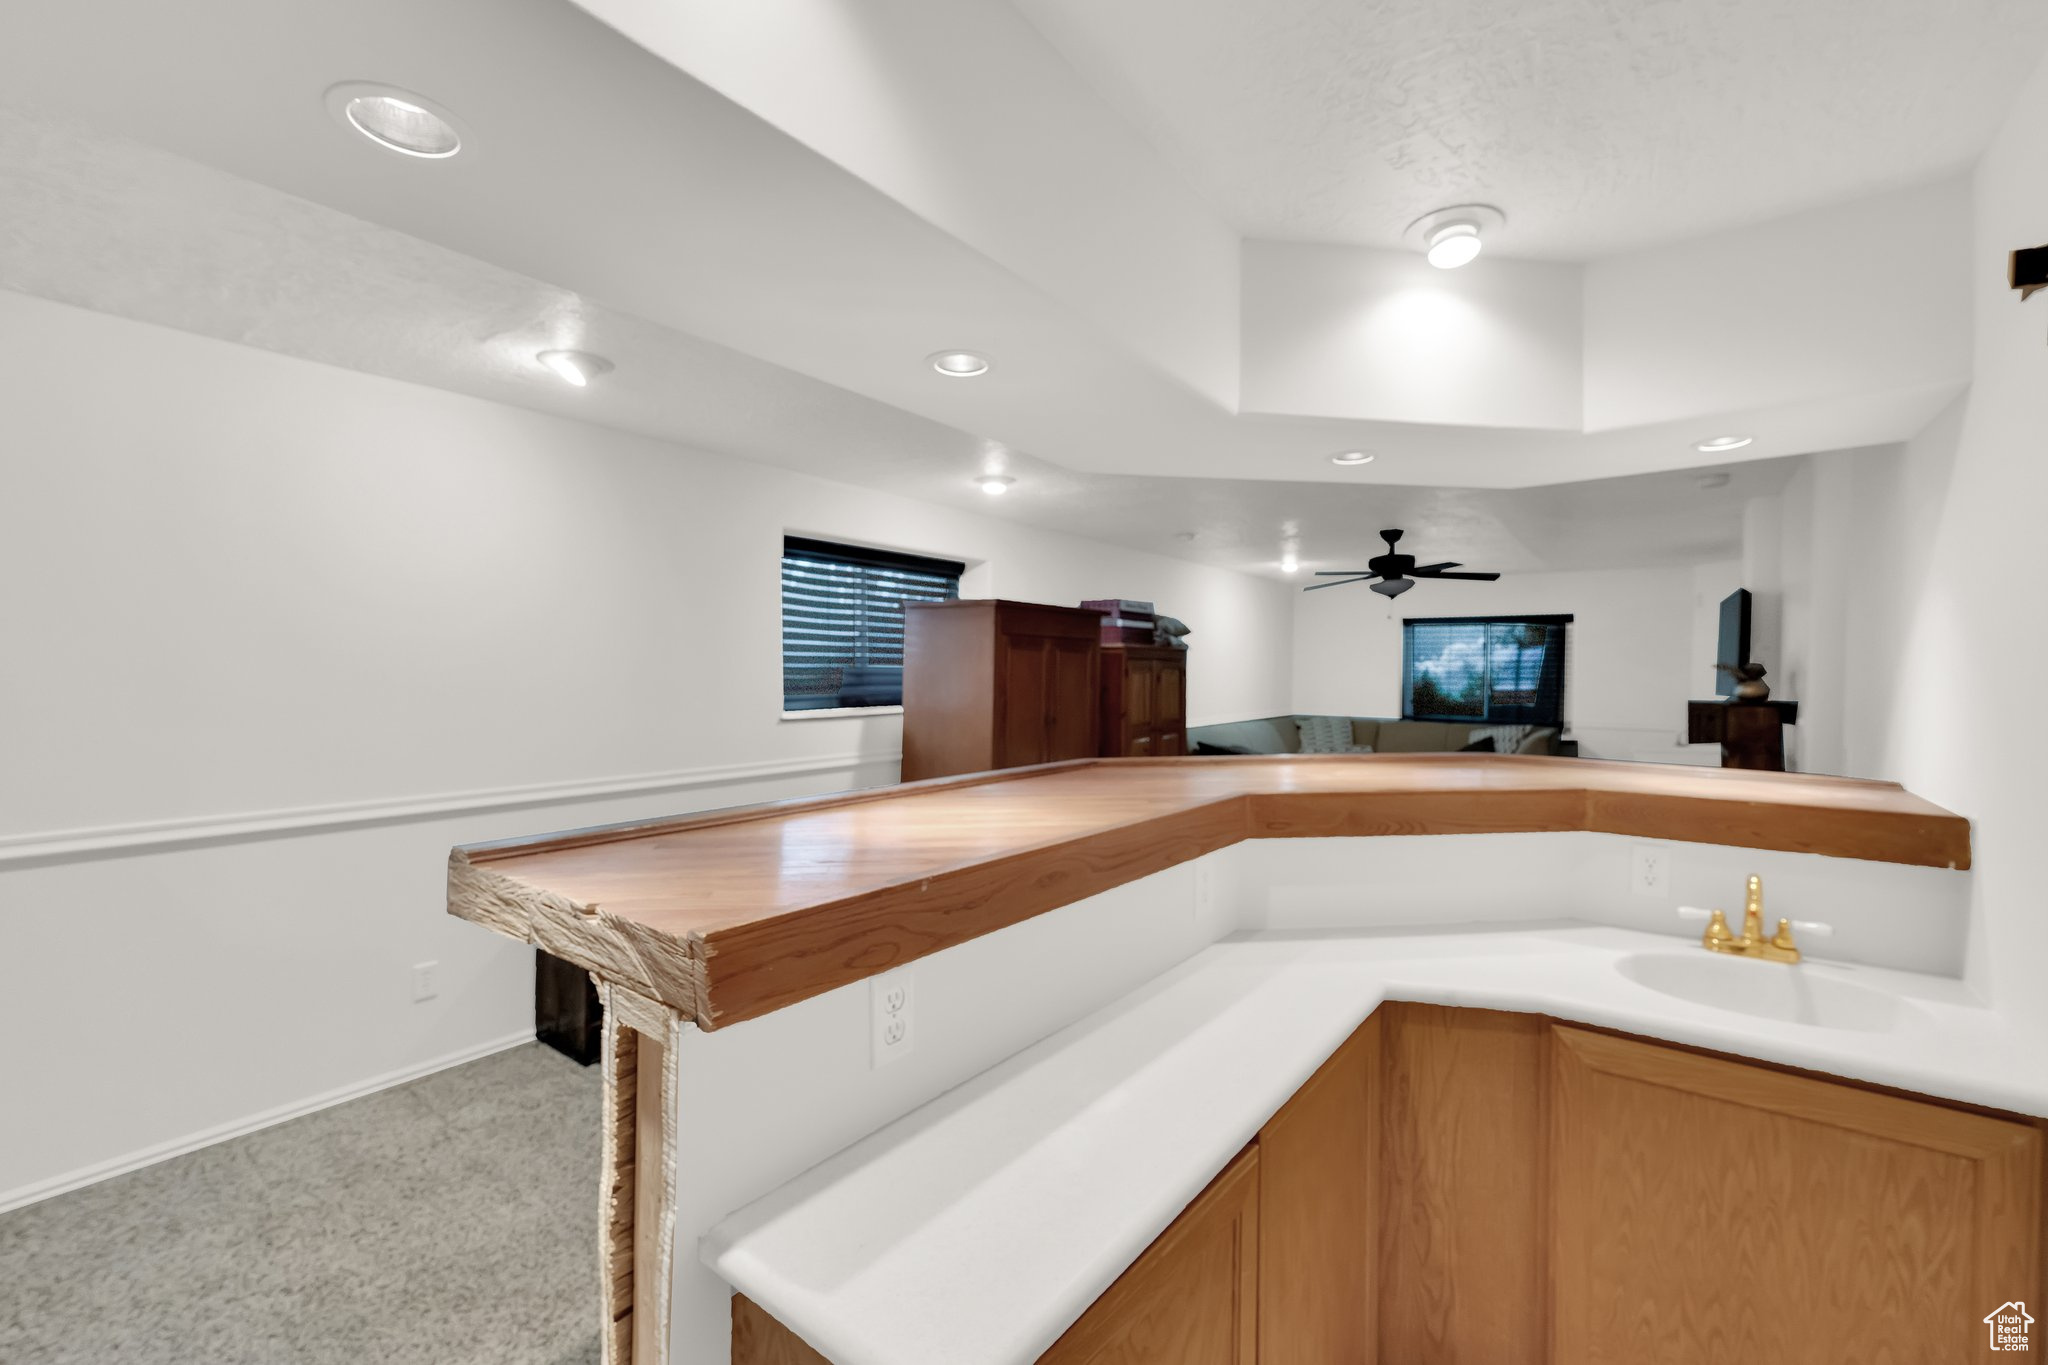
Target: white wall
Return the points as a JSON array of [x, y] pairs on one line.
[[1863, 297], [278, 634], [1629, 654], [1354, 332], [1934, 577]]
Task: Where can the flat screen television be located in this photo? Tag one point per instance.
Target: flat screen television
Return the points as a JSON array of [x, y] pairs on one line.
[[1733, 648]]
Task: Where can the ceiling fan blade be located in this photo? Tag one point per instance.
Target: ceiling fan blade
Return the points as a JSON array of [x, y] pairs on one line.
[[1338, 583], [1434, 568], [1480, 577], [1345, 573]]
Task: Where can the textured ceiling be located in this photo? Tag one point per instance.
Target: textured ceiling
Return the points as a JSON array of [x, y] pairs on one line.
[[119, 227], [1598, 125]]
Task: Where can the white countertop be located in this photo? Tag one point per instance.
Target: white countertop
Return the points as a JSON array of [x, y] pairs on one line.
[[976, 1229]]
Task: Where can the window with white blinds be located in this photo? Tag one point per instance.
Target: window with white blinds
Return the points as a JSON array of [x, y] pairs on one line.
[[1484, 668], [842, 620]]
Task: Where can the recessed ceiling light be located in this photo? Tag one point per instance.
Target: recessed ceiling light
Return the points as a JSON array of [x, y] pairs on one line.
[[1351, 457], [995, 485], [1717, 479], [575, 367], [958, 364], [1290, 563], [396, 120], [1451, 237], [1715, 445], [1453, 245]]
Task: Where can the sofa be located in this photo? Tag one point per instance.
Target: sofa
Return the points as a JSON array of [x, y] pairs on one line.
[[1282, 735]]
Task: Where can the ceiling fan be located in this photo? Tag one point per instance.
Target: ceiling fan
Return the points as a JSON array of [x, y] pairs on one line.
[[1397, 572]]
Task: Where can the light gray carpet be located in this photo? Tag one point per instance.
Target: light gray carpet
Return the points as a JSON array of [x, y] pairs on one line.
[[450, 1220]]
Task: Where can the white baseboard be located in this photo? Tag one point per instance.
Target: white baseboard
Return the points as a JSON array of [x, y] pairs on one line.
[[206, 1137]]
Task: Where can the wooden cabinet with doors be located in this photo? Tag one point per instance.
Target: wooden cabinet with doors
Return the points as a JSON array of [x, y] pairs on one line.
[[1457, 1186], [1560, 1196], [1144, 701], [996, 684]]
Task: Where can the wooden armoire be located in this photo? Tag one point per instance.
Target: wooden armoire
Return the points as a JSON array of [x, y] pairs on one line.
[[1144, 701], [989, 684]]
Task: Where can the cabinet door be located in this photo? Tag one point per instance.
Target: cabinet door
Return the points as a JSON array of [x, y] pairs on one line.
[[1707, 1211], [1025, 697], [1073, 711], [1171, 705], [1141, 683], [1461, 1265], [1192, 1298], [1319, 1214]]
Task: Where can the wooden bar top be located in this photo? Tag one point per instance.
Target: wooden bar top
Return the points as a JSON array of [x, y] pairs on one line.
[[728, 915]]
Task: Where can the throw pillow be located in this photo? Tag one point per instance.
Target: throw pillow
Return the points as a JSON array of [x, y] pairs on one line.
[[1329, 735], [1507, 739], [1482, 745]]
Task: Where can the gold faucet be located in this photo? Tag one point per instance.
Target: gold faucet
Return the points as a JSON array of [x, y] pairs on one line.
[[1779, 947]]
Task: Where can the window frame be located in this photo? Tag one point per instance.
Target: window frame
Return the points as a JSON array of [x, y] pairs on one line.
[[854, 556], [1562, 621]]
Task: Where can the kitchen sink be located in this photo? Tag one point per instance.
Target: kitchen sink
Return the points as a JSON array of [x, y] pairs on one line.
[[1794, 994]]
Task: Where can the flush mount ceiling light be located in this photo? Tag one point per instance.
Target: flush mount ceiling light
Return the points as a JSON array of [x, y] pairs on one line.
[[575, 367], [1715, 445], [1351, 457], [1453, 245], [995, 485], [958, 364], [1451, 237], [396, 120]]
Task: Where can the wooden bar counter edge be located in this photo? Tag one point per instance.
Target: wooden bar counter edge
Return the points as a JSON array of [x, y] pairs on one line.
[[728, 915]]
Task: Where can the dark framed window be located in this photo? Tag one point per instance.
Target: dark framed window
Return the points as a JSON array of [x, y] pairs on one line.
[[1508, 669], [842, 620]]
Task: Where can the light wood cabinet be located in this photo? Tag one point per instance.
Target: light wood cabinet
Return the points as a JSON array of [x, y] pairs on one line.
[[1471, 1187], [1319, 1205], [1193, 1297], [1144, 701], [1461, 1237], [994, 684], [1708, 1211]]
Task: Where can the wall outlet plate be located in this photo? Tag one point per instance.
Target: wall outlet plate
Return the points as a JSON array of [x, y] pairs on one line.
[[890, 1017], [426, 981], [1649, 869]]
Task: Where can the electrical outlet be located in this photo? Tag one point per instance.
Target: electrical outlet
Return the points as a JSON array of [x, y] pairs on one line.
[[1649, 869], [426, 981], [889, 1008]]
